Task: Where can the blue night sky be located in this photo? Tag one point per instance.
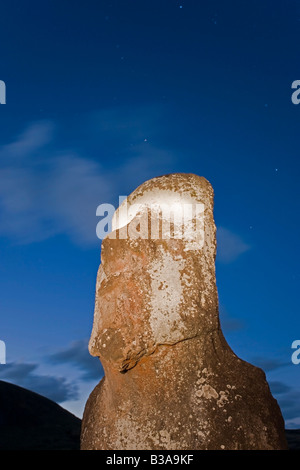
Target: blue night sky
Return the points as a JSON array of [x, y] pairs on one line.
[[102, 95]]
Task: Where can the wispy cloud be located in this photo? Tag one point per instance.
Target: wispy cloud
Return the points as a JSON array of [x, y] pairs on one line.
[[77, 354], [56, 387], [25, 375], [31, 139], [289, 405], [278, 387], [229, 246], [47, 190], [43, 194], [269, 364]]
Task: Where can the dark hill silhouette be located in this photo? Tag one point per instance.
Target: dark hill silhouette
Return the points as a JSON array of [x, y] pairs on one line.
[[29, 421]]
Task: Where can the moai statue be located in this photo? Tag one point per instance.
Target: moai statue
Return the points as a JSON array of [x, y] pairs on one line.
[[171, 380]]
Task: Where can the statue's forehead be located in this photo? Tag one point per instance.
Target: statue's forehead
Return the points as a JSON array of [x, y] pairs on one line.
[[155, 199]]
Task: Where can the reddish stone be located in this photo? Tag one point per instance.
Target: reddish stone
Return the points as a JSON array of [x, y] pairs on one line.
[[171, 380]]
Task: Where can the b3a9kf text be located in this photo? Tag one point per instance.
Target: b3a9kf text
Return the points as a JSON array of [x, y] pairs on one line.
[[153, 459]]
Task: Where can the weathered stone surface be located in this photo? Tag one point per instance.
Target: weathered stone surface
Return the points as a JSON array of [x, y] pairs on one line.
[[171, 380]]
